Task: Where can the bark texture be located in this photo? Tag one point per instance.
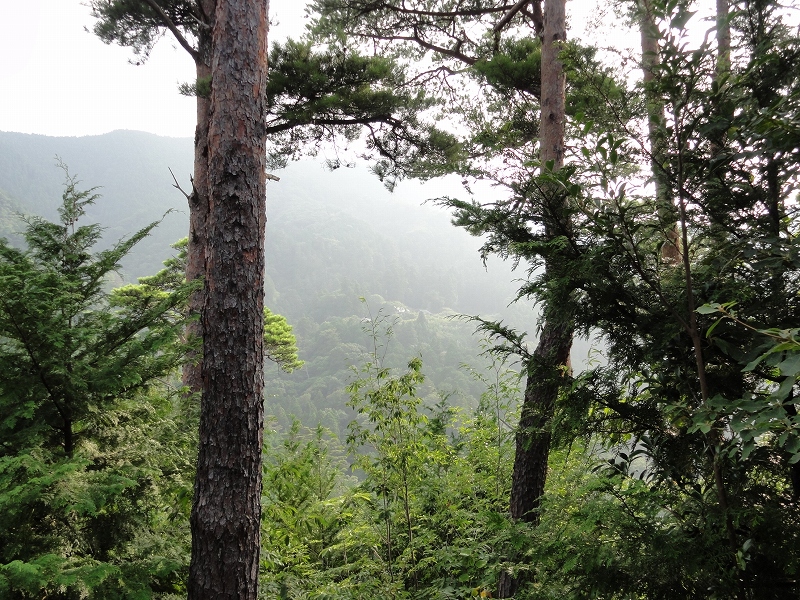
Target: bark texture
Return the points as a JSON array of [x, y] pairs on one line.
[[547, 369], [546, 372], [198, 201], [226, 511]]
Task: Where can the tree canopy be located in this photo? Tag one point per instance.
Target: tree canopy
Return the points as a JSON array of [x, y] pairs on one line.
[[91, 453], [662, 219]]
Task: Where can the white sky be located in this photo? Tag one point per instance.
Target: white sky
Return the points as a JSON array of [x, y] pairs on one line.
[[58, 79]]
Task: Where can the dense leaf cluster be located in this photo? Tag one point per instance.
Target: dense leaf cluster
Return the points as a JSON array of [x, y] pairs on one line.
[[95, 461]]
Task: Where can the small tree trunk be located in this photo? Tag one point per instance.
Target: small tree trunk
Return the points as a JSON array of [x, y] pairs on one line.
[[199, 206], [723, 38], [69, 441], [656, 120], [547, 368], [226, 512]]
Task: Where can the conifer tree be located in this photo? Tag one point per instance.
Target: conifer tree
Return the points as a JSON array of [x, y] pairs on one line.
[[87, 463], [69, 346]]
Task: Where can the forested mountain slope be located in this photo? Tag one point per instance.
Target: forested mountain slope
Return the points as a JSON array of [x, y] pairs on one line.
[[131, 168], [332, 237], [344, 222]]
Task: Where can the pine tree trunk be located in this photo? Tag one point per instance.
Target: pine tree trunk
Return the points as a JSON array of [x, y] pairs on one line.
[[226, 510], [546, 369], [198, 205], [546, 372]]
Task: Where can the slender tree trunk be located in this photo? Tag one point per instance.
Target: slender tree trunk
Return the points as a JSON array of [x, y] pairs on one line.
[[723, 66], [547, 369], [723, 38], [226, 511], [198, 203], [69, 442], [656, 119]]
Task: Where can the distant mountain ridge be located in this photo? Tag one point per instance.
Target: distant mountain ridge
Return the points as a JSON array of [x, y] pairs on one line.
[[325, 229], [332, 237], [130, 170]]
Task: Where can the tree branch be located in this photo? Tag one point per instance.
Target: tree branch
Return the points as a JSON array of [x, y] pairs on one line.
[[427, 45], [277, 128], [176, 185], [537, 15], [169, 24], [468, 12], [445, 51]]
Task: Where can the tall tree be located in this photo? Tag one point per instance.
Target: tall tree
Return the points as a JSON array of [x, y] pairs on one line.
[[314, 96], [226, 246], [226, 511], [656, 127], [548, 367], [139, 24]]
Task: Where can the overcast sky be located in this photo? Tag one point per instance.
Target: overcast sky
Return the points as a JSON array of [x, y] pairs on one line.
[[59, 79]]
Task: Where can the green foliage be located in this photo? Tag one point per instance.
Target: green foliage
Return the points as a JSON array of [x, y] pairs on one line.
[[94, 458], [68, 346], [517, 66], [764, 416], [704, 402], [304, 508], [200, 88], [331, 88], [137, 25], [318, 95], [426, 516], [280, 345]]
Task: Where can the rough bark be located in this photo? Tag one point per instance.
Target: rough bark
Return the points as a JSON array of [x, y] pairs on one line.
[[226, 510], [198, 203], [546, 370]]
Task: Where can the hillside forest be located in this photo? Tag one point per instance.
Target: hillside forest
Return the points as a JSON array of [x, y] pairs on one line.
[[492, 369]]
